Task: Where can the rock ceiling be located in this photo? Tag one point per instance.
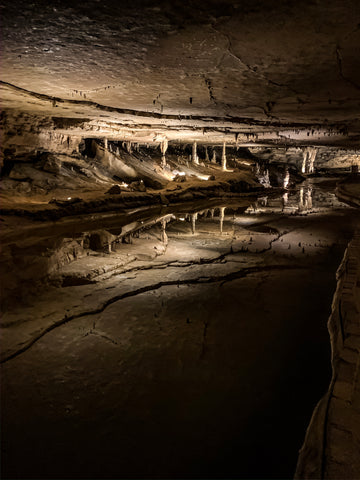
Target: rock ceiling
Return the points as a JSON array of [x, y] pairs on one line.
[[288, 72]]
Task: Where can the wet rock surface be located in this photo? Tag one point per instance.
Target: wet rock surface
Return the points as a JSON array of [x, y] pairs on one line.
[[332, 443], [187, 353]]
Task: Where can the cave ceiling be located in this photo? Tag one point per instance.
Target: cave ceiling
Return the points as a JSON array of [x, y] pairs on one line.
[[138, 70]]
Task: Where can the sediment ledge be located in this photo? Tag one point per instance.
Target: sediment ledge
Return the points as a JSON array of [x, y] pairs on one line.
[[332, 442], [119, 203]]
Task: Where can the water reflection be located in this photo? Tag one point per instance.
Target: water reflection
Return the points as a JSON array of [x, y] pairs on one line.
[[307, 198], [62, 244], [160, 340]]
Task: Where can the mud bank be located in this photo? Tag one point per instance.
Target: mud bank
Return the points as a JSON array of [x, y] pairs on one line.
[[235, 188]]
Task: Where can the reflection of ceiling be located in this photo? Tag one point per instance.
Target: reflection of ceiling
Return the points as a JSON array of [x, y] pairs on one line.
[[279, 62]]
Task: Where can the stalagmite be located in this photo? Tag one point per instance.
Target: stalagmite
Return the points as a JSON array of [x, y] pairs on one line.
[[223, 158], [195, 158], [222, 215], [163, 148], [213, 160]]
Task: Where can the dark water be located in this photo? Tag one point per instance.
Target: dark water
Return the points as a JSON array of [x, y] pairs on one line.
[[219, 378]]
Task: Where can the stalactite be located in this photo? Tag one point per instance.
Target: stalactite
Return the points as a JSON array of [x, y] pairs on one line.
[[195, 158], [309, 155], [106, 143], [304, 162], [163, 147], [223, 157], [206, 155], [312, 156], [263, 178]]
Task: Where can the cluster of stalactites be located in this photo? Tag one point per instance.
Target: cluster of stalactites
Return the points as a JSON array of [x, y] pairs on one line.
[[309, 155], [263, 176]]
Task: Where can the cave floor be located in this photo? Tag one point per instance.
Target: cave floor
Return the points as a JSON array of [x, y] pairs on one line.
[[201, 354]]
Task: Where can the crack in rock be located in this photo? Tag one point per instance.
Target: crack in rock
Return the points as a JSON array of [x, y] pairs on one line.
[[101, 335], [209, 85], [340, 67], [193, 281], [249, 67]]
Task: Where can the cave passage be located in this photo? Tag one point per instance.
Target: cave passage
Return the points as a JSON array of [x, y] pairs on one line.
[[204, 357]]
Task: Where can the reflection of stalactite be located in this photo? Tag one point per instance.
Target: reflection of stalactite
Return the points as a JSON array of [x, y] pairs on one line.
[[222, 215], [223, 157], [301, 199], [286, 178], [305, 200], [193, 222], [285, 198]]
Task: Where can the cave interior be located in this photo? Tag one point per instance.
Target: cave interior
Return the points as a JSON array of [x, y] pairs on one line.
[[180, 262]]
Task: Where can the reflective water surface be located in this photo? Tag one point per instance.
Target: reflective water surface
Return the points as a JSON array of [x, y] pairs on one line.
[[185, 342]]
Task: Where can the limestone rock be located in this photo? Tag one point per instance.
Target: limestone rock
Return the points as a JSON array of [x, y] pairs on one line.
[[51, 164], [114, 190], [138, 186]]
